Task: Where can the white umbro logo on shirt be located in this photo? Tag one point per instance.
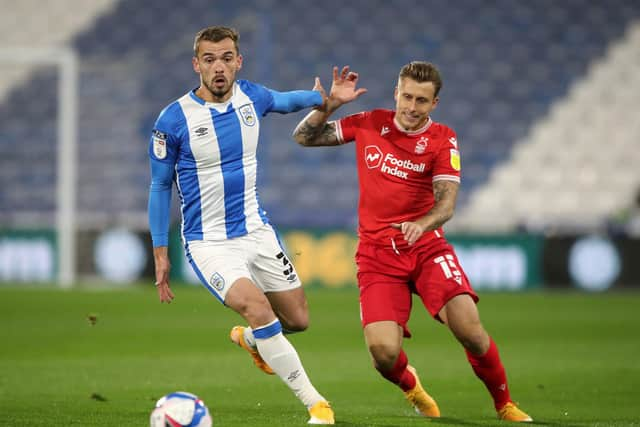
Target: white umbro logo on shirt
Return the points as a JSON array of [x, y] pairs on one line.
[[384, 131]]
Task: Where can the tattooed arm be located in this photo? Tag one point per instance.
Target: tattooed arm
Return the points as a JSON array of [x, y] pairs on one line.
[[445, 193], [314, 130]]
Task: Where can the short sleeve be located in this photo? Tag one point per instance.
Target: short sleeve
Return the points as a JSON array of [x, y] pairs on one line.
[[447, 162], [347, 127]]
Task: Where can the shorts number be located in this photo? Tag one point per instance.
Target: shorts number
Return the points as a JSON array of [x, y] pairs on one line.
[[285, 262], [449, 268]]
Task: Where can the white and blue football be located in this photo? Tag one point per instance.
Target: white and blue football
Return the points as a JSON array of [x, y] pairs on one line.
[[180, 409]]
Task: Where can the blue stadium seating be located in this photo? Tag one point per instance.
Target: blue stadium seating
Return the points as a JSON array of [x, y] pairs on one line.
[[504, 63]]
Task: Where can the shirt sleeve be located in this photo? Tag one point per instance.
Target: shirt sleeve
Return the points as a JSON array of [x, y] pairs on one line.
[[290, 102], [160, 202], [266, 100], [447, 162], [347, 127], [163, 150]]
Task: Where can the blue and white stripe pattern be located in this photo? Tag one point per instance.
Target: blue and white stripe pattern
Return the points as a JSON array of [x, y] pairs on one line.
[[214, 150], [209, 150]]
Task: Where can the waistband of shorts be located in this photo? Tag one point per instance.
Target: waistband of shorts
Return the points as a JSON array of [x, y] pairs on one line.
[[399, 243]]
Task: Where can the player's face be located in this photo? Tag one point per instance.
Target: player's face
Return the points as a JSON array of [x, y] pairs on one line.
[[217, 63], [414, 102]]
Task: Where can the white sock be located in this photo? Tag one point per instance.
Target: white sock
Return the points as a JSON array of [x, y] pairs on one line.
[[278, 352], [248, 337]]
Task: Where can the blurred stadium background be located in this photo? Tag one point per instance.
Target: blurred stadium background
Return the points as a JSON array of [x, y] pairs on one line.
[[543, 94]]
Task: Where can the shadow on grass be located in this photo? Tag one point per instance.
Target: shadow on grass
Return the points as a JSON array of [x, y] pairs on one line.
[[447, 421]]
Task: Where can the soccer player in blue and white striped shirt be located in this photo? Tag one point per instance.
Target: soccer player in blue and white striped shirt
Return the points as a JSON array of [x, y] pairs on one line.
[[206, 142]]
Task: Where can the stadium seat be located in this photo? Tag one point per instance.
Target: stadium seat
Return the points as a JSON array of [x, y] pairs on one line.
[[516, 107]]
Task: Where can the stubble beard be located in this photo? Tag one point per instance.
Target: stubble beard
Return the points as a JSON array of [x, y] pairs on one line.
[[216, 92]]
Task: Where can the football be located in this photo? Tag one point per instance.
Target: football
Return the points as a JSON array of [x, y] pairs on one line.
[[180, 409]]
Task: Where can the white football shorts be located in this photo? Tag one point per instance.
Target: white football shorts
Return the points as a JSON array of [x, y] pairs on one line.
[[257, 256]]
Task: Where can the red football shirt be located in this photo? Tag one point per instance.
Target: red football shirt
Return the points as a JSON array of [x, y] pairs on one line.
[[396, 171]]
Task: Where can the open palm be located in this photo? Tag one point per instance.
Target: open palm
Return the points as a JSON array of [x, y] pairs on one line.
[[343, 87]]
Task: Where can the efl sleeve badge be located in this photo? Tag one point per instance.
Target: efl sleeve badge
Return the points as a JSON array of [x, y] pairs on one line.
[[159, 144], [455, 159]]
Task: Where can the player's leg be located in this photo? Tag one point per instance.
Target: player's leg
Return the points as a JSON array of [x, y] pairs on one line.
[[384, 342], [449, 297], [218, 265], [277, 277], [460, 314], [251, 303], [274, 274], [291, 308], [385, 305]]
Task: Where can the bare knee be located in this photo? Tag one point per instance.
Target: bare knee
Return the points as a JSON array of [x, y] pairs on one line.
[[248, 301], [470, 333], [291, 308], [255, 311], [460, 314], [295, 322], [384, 341], [384, 356], [475, 340]]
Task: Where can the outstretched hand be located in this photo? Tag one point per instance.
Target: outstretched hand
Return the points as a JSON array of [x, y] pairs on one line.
[[343, 89]]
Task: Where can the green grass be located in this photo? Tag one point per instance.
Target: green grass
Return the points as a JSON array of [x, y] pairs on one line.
[[572, 360]]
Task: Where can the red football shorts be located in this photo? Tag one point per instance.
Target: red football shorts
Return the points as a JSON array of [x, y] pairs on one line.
[[387, 279]]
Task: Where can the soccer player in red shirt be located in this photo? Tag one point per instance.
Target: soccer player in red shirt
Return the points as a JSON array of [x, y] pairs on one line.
[[409, 174]]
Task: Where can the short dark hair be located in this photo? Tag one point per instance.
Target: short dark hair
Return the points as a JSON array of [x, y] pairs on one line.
[[421, 71], [216, 34]]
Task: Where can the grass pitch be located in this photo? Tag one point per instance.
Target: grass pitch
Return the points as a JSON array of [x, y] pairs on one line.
[[102, 358]]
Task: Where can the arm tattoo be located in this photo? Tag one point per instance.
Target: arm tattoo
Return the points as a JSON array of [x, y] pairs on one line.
[[445, 194], [445, 189], [315, 136]]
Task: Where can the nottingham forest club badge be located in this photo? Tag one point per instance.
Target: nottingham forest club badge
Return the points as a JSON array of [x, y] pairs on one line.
[[421, 145], [248, 115]]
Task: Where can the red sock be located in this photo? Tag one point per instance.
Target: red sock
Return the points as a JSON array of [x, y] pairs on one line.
[[399, 374], [490, 370]]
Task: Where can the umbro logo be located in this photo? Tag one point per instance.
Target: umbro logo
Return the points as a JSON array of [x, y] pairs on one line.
[[453, 142], [201, 131], [293, 375], [385, 130]]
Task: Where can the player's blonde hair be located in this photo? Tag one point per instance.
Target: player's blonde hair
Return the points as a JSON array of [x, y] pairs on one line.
[[216, 34], [421, 71]]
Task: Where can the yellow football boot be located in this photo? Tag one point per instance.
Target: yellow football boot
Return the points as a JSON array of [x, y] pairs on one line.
[[237, 336]]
